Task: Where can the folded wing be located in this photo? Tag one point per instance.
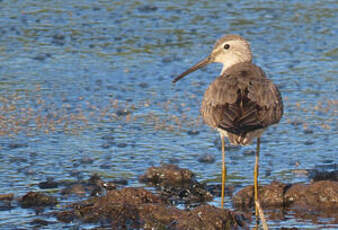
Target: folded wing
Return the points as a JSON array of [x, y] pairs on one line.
[[241, 100]]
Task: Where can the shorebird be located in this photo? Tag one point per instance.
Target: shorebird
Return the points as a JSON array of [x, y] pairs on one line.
[[241, 103]]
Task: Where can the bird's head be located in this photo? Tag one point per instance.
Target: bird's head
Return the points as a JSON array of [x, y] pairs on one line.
[[229, 50]]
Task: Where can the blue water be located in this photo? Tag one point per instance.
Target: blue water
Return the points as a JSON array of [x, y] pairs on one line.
[[75, 75]]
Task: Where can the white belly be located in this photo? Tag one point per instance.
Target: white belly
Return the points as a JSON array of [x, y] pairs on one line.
[[241, 140]]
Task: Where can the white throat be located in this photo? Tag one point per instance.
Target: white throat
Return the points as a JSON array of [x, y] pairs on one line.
[[228, 64]]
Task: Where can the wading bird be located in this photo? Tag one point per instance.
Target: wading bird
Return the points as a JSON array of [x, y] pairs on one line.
[[242, 102]]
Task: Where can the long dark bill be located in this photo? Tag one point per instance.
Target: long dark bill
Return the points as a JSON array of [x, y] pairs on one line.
[[199, 65]]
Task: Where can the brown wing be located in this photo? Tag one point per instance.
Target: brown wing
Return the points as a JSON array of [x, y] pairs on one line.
[[242, 100]]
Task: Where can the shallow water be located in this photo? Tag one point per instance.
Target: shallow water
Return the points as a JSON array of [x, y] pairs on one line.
[[86, 88]]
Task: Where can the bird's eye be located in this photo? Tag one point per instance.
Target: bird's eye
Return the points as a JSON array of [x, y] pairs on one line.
[[226, 46]]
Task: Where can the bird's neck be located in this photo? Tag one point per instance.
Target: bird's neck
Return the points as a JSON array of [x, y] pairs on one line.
[[234, 60], [227, 65]]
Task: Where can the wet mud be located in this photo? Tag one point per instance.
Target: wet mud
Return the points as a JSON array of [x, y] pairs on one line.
[[114, 205], [306, 201], [138, 208], [37, 199], [176, 185]]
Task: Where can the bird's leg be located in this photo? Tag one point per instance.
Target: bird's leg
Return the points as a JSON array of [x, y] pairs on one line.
[[224, 170], [256, 179]]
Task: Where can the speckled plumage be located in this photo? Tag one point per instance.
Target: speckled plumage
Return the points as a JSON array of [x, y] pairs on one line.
[[241, 101]]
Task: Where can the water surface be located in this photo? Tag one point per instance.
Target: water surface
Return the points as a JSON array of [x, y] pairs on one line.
[[86, 88]]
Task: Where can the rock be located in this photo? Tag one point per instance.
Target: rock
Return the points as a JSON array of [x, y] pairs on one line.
[[39, 222], [176, 185], [77, 189], [168, 174], [321, 195], [307, 201], [95, 180], [210, 217], [308, 142], [122, 112], [120, 181], [321, 175], [58, 39], [117, 205], [202, 217], [216, 189], [144, 85], [193, 132], [206, 158], [37, 199], [137, 208], [147, 8], [17, 145], [93, 186], [308, 131], [188, 194], [122, 145], [269, 195], [42, 56], [50, 183], [66, 216]]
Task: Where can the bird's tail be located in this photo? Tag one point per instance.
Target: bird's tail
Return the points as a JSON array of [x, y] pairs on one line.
[[244, 138]]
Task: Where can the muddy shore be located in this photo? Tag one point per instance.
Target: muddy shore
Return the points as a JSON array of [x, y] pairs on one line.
[[114, 205]]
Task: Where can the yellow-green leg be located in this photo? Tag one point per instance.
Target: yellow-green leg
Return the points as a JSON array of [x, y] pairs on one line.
[[256, 179], [224, 170]]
